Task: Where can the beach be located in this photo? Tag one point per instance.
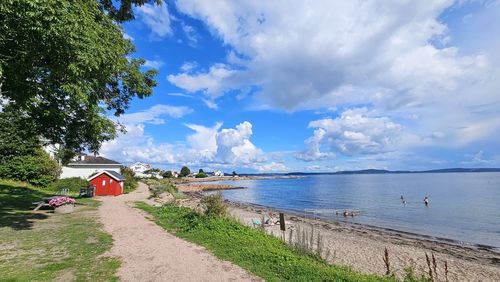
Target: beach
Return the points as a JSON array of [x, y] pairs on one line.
[[361, 247]]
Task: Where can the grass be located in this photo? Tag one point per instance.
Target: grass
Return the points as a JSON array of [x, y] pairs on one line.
[[41, 246], [264, 255], [160, 186]]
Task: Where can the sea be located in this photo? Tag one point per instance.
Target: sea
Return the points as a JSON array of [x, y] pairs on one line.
[[463, 207]]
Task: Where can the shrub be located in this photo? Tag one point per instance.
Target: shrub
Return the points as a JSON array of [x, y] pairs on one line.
[[167, 174], [201, 175], [131, 182], [37, 169], [159, 188], [214, 205], [73, 184]]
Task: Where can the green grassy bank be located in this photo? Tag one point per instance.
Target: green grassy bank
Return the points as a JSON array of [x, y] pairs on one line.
[[264, 255], [42, 246]]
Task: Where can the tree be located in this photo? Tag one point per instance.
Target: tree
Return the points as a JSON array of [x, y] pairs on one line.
[[64, 63], [16, 137], [234, 173], [184, 171], [167, 174], [201, 171]]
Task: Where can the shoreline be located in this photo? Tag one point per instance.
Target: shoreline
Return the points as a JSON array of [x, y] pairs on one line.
[[361, 246]]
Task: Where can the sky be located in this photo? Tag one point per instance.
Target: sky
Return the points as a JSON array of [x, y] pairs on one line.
[[315, 86]]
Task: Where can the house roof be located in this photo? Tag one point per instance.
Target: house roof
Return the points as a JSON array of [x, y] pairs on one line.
[[93, 160], [113, 174]]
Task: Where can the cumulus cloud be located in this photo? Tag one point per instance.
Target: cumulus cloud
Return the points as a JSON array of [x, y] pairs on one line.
[[234, 144], [206, 146], [212, 83], [354, 132], [157, 18], [296, 56]]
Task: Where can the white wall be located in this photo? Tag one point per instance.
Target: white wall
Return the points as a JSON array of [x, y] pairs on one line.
[[85, 171]]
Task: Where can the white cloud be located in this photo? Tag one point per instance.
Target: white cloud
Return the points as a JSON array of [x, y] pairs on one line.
[[135, 144], [354, 132], [153, 115], [127, 36], [212, 83], [207, 146], [189, 66], [233, 145], [296, 56], [157, 18], [191, 34], [154, 64], [271, 167]]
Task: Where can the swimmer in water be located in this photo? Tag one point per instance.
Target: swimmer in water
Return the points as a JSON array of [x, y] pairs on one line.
[[426, 201]]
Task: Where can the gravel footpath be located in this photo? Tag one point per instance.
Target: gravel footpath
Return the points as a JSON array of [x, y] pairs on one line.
[[149, 253]]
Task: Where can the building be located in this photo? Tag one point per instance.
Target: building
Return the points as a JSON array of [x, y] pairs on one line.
[[218, 173], [83, 166], [139, 169], [107, 183]]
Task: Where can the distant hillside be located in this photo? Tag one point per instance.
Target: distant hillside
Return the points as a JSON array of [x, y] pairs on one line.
[[383, 171]]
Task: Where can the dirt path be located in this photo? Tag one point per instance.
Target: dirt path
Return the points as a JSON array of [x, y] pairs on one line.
[[149, 253]]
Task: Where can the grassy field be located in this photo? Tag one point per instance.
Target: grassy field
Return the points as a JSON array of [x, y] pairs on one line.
[[42, 246], [264, 255]]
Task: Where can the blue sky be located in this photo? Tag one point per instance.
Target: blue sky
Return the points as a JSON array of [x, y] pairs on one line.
[[266, 86]]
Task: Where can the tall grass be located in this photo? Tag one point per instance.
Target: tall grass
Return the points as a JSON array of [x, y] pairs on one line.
[[260, 253]]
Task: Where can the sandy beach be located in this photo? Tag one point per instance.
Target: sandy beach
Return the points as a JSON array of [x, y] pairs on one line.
[[362, 247]]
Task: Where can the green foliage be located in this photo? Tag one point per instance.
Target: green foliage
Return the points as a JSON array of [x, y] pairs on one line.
[[214, 205], [167, 174], [37, 169], [234, 173], [201, 175], [201, 171], [184, 171], [60, 61], [131, 182], [16, 136], [73, 184], [124, 11], [410, 276], [255, 251]]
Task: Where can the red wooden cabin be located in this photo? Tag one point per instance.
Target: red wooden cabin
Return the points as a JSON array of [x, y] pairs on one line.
[[107, 183]]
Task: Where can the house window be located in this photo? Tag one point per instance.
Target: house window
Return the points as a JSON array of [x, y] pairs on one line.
[[104, 183], [110, 181]]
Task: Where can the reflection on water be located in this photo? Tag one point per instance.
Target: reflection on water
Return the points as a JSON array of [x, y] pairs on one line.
[[463, 206]]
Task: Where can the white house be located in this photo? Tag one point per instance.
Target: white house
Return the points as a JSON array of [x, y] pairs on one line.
[[218, 173], [139, 169], [83, 166]]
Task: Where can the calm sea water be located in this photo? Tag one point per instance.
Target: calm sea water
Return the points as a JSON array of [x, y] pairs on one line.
[[463, 206]]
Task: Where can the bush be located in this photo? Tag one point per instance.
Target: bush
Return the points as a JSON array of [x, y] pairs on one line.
[[167, 174], [131, 182], [37, 169], [201, 175], [73, 184], [214, 205]]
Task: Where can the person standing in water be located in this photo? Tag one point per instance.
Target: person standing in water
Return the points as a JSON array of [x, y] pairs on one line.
[[426, 201]]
